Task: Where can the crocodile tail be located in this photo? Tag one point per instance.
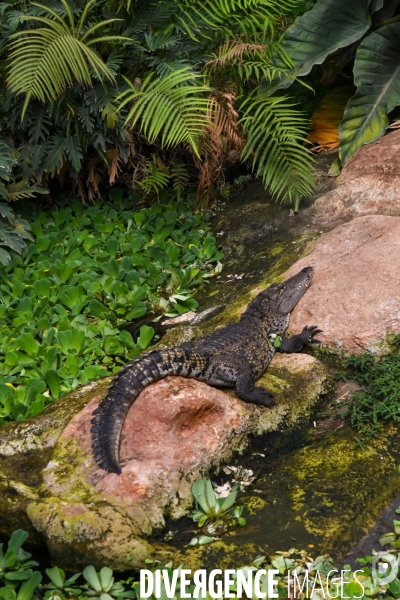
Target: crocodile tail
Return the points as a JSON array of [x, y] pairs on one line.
[[130, 381]]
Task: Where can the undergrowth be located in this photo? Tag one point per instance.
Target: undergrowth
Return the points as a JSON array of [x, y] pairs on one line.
[[371, 407], [90, 271]]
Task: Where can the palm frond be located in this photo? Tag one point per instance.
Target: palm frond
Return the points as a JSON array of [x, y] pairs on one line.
[[45, 60], [168, 108], [275, 134]]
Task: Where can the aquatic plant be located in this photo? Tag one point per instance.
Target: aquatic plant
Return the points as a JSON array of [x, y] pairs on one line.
[[18, 580], [65, 304], [214, 510]]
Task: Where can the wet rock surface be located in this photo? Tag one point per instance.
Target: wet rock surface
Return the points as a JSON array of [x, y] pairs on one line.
[[177, 431], [355, 295]]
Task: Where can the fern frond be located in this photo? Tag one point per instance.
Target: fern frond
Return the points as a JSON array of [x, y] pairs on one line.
[[179, 177], [197, 17], [45, 60], [275, 143], [233, 49], [168, 108], [157, 177]]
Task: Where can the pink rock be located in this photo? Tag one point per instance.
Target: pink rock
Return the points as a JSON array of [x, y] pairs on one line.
[[177, 431], [355, 295], [368, 184]]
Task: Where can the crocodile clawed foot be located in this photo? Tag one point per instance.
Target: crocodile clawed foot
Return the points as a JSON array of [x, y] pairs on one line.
[[308, 333], [262, 396]]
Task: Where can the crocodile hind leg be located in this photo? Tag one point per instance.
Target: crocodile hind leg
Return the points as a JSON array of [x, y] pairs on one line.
[[247, 391], [241, 376]]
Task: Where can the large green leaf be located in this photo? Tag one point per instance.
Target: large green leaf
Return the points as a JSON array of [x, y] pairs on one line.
[[328, 26], [377, 76]]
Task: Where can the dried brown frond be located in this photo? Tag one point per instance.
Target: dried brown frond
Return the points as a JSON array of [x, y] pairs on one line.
[[394, 125], [114, 161], [93, 179], [223, 137], [233, 50], [80, 189]]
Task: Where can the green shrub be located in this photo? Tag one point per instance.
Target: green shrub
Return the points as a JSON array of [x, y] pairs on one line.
[[64, 304], [379, 401]]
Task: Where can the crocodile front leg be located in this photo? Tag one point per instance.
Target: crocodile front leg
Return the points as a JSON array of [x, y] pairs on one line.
[[296, 342]]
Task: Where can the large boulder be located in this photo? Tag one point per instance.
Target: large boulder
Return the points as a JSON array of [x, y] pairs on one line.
[[368, 184], [178, 430], [355, 295]]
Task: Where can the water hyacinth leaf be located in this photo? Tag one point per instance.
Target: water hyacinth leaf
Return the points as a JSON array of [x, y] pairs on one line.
[[71, 296], [65, 272], [396, 525], [229, 501], [27, 343], [17, 539], [205, 539], [43, 243], [378, 90], [204, 495], [126, 339], [42, 287], [36, 407], [28, 588], [139, 218], [136, 295], [145, 337], [71, 340], [56, 575], [52, 379], [18, 575], [34, 387], [18, 288], [137, 311], [112, 246], [92, 578], [92, 372], [194, 541], [106, 578], [97, 309]]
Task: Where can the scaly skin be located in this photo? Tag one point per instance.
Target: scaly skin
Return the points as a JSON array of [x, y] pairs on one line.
[[236, 355]]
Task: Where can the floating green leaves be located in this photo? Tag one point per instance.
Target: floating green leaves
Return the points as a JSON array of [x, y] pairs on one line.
[[64, 304]]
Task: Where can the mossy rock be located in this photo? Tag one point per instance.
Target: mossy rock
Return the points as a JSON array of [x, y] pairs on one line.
[[50, 486]]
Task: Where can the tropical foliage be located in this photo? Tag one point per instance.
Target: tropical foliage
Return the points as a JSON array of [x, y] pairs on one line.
[[66, 303], [149, 93], [335, 33]]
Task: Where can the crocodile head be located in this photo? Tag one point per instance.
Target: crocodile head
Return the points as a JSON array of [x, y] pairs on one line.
[[273, 305], [284, 296]]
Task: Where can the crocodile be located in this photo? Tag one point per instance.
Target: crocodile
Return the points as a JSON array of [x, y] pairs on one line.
[[235, 355]]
